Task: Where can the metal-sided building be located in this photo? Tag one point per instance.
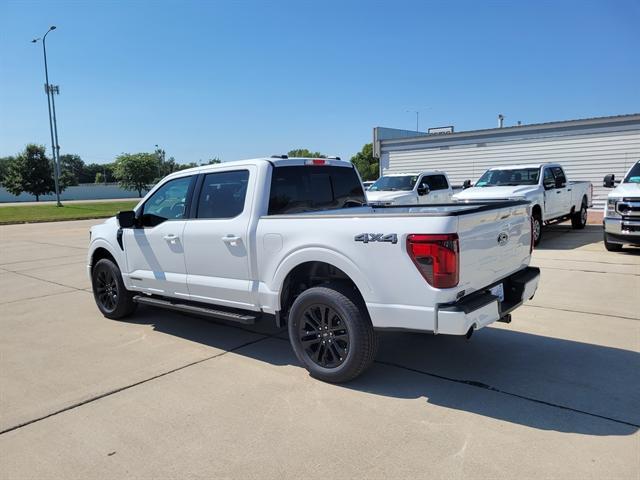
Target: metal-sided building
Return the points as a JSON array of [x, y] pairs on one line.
[[588, 149]]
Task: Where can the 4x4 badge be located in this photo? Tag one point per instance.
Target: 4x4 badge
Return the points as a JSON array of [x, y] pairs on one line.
[[376, 237]]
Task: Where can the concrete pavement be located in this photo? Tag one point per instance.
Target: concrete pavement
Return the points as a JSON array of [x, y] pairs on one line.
[[554, 394]]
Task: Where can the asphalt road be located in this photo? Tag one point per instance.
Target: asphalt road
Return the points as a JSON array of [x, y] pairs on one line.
[[555, 394]]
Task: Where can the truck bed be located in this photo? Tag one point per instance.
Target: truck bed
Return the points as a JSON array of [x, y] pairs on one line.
[[370, 246]]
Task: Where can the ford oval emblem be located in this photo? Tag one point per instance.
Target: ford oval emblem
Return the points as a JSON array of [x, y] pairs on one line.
[[503, 238]]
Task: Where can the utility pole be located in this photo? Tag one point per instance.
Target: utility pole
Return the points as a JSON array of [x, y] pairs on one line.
[[54, 143], [53, 91]]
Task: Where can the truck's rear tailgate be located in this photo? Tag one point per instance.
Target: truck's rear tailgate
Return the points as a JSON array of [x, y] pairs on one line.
[[493, 245]]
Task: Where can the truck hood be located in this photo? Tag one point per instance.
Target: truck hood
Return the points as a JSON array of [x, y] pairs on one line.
[[486, 193], [388, 196], [626, 190]]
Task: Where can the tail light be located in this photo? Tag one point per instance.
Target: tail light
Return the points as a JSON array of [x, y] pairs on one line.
[[436, 257]]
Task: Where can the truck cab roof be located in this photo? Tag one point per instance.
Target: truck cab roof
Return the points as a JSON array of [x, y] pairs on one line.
[[528, 165], [425, 172], [279, 162]]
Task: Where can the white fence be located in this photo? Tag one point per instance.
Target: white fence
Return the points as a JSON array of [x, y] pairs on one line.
[[85, 191]]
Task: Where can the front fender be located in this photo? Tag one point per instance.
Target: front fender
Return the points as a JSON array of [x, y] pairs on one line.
[[114, 251]]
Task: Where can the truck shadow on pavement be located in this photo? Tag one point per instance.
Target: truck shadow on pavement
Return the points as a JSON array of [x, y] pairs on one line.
[[563, 237], [540, 382], [531, 380]]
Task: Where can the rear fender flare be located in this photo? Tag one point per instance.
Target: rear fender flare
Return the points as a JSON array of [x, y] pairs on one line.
[[326, 255]]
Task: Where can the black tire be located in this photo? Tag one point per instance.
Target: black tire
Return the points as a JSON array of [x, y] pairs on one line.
[[112, 298], [579, 218], [331, 333], [611, 247], [537, 228]]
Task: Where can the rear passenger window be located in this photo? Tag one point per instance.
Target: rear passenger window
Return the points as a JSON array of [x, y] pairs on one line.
[[298, 189], [548, 180], [559, 175], [435, 182], [222, 194]]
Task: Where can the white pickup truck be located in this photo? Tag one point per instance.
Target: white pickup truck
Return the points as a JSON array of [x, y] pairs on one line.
[[410, 189], [622, 213], [545, 185], [294, 239]]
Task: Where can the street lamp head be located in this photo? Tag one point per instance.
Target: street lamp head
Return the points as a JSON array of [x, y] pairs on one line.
[[53, 27], [35, 40]]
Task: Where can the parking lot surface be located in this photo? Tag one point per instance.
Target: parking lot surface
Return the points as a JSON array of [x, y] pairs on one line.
[[554, 394]]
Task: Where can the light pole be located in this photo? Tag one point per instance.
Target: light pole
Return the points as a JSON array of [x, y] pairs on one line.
[[417, 112], [54, 144], [53, 91]]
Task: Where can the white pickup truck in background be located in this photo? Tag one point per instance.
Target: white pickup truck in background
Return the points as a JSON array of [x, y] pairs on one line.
[[622, 212], [294, 240], [545, 185], [410, 189]]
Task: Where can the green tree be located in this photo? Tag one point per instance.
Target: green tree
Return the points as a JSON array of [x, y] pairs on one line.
[[74, 165], [66, 179], [30, 172], [136, 171], [89, 172], [213, 161], [99, 177], [184, 166], [4, 165], [165, 166], [305, 153], [366, 163]]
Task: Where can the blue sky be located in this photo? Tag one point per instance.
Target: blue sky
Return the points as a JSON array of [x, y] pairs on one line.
[[245, 79]]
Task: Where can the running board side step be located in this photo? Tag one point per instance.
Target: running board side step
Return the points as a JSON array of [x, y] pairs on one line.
[[245, 319]]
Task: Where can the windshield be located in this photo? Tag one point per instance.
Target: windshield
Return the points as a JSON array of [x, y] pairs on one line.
[[516, 176], [391, 184], [634, 174]]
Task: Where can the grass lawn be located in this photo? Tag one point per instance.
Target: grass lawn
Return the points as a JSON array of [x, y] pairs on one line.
[[69, 211]]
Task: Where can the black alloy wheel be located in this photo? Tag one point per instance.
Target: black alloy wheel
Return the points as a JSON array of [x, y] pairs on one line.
[[331, 333], [106, 289], [112, 298], [324, 336]]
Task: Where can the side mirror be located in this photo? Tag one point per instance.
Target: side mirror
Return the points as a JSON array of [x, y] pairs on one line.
[[423, 190], [466, 184], [126, 219], [559, 183], [609, 181]]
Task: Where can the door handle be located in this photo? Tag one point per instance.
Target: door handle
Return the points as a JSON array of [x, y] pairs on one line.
[[171, 238], [231, 240], [558, 191]]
